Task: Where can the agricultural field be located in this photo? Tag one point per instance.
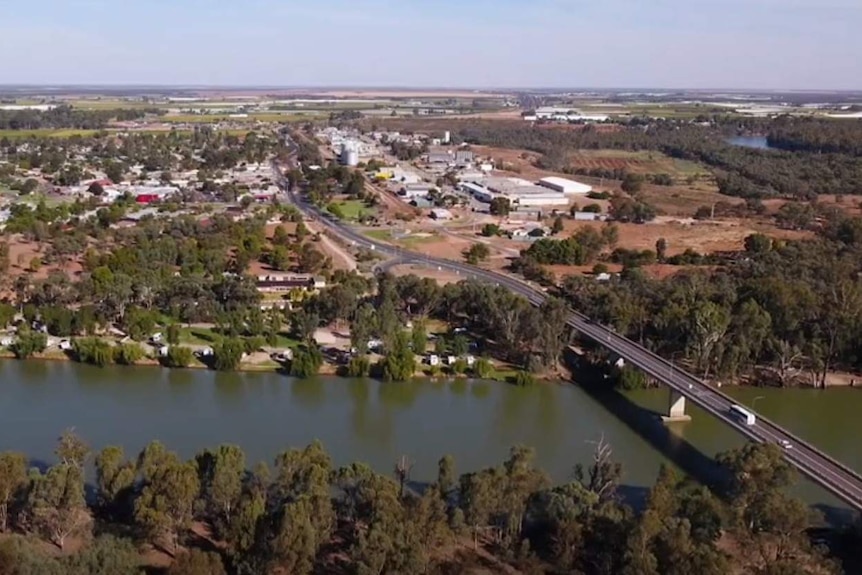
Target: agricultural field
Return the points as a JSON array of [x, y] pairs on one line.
[[46, 133], [644, 162]]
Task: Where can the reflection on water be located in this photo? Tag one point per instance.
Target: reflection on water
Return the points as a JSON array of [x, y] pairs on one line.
[[474, 421]]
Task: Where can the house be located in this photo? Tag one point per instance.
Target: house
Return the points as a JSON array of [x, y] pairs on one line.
[[282, 283], [441, 214], [433, 360], [162, 350], [450, 360]]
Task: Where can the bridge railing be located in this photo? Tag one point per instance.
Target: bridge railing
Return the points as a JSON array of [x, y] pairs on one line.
[[763, 420]]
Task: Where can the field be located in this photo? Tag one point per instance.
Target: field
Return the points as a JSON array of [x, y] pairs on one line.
[[702, 237], [644, 162], [46, 133], [354, 209], [213, 118]]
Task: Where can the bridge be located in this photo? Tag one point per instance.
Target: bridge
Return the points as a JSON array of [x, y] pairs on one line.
[[821, 468]]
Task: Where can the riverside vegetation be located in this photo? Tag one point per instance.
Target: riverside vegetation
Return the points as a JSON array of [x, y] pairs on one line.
[[212, 515]]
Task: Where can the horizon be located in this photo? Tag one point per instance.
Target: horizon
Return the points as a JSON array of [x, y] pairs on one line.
[[746, 45]]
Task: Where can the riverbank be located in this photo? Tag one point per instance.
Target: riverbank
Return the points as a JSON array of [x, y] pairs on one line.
[[499, 373]]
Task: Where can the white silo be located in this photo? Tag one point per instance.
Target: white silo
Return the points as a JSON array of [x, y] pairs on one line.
[[447, 137], [349, 154]]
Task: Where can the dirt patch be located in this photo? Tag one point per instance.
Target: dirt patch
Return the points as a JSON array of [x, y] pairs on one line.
[[703, 238], [442, 277]]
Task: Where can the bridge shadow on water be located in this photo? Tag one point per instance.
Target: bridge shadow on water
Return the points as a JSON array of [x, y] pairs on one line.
[[648, 424]]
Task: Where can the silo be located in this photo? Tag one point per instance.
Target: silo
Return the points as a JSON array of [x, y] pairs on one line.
[[349, 154], [447, 137]]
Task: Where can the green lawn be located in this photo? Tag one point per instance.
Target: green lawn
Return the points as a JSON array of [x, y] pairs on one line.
[[204, 336], [354, 209]]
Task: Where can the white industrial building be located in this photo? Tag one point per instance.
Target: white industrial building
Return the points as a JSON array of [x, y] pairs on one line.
[[565, 186], [519, 192], [412, 191], [566, 115]]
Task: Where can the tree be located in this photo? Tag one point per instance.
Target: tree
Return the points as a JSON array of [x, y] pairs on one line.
[[128, 353], [174, 332], [115, 478], [96, 189], [13, 478], [632, 183], [419, 337], [306, 361], [500, 206], [557, 226], [362, 327], [228, 354], [93, 350], [165, 506], [490, 230], [197, 562], [35, 264], [476, 253], [399, 364], [221, 474], [179, 356], [56, 503], [28, 342]]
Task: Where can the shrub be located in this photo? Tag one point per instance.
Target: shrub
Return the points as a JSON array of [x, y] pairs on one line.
[[227, 355], [178, 356], [93, 350], [28, 343], [524, 379], [358, 366], [483, 368], [128, 353], [306, 362]]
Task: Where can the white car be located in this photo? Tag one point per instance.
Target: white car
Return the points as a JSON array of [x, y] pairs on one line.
[[785, 444]]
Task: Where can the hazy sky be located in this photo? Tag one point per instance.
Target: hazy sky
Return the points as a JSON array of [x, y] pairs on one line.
[[782, 44]]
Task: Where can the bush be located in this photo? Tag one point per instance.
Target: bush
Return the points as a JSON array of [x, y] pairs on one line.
[[93, 350], [592, 208], [128, 353], [483, 368], [28, 343], [227, 355], [594, 195], [524, 379], [460, 366], [306, 362], [178, 356], [358, 366]]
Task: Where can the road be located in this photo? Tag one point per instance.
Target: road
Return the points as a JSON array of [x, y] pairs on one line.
[[835, 477]]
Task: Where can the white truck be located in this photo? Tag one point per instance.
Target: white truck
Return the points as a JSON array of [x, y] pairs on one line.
[[742, 414]]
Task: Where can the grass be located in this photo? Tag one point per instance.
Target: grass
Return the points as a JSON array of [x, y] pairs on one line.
[[206, 336], [354, 209], [46, 133], [645, 161]]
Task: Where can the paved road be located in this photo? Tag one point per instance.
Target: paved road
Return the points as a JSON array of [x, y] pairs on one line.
[[831, 474]]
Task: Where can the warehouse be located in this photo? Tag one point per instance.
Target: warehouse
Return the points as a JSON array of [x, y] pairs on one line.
[[564, 186], [526, 196]]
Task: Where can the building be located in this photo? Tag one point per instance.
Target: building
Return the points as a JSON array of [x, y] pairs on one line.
[[282, 283], [478, 191], [441, 214], [565, 186], [412, 191], [568, 115]]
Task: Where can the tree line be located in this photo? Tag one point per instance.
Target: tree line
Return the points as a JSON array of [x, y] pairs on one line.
[[68, 117], [214, 515], [800, 174], [782, 313]]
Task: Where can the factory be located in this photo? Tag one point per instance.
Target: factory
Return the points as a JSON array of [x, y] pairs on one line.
[[565, 115], [519, 192], [564, 186]]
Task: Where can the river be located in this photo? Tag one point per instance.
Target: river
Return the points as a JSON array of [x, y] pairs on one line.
[[376, 422]]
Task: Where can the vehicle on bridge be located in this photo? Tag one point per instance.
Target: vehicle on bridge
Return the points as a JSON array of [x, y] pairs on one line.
[[742, 414]]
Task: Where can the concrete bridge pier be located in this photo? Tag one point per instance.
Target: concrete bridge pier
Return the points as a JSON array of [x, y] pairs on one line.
[[676, 408]]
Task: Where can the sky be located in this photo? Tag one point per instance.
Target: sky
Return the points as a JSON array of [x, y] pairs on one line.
[[697, 44]]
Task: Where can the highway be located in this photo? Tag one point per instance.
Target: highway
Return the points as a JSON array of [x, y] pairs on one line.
[[835, 477]]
